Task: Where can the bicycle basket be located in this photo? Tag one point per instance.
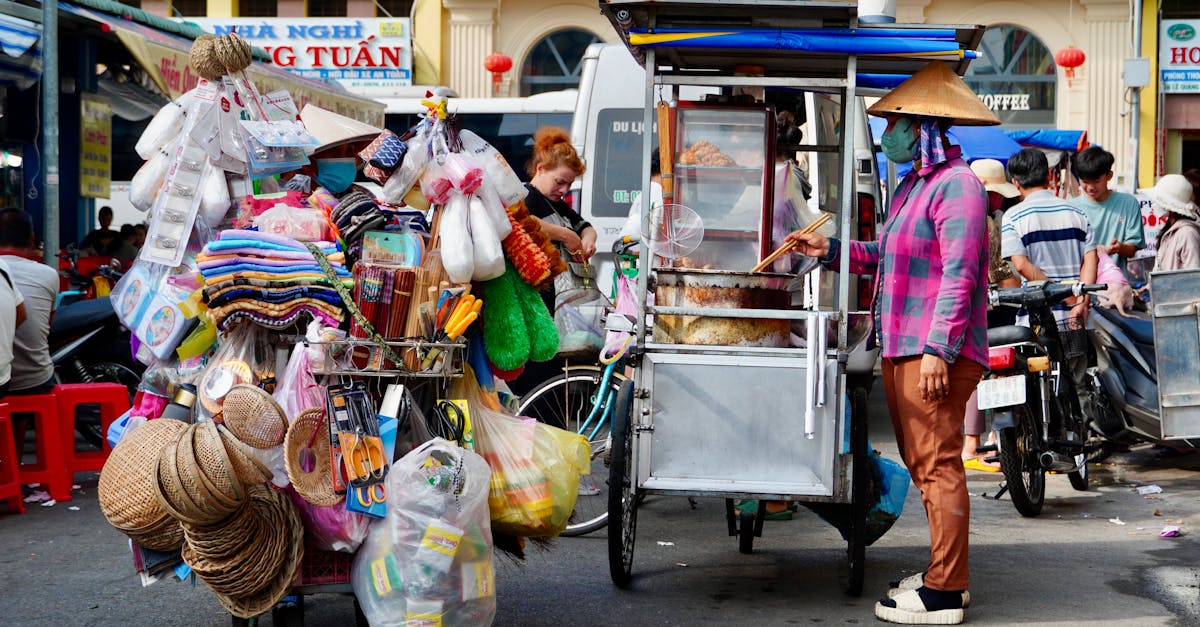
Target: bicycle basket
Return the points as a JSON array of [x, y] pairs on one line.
[[1074, 337]]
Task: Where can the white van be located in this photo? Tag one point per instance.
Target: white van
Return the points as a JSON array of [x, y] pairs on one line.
[[607, 132]]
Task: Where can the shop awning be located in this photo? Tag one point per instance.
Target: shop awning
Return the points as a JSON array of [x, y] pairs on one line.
[[20, 51], [164, 56]]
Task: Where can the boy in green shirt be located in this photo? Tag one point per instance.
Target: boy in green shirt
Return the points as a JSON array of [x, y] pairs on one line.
[[1115, 217]]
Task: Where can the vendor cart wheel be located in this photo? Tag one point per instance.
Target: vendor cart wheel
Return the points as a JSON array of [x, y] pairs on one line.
[[622, 502], [856, 544], [746, 529]]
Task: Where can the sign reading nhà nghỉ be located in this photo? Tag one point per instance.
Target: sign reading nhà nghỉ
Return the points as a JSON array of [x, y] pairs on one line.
[[369, 56], [95, 151], [1179, 56], [1005, 102]]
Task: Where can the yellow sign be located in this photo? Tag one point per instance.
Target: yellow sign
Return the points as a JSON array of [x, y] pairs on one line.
[[95, 154]]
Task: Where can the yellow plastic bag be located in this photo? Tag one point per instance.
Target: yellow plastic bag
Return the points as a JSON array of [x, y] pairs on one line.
[[535, 467]]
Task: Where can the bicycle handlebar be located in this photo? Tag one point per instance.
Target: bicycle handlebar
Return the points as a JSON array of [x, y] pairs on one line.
[[1041, 293]]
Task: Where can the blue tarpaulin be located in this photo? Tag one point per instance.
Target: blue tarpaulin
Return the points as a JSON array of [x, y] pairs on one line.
[[806, 41], [1051, 138], [978, 142]]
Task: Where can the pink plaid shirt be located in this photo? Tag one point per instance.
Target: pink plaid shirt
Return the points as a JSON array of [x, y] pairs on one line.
[[930, 266]]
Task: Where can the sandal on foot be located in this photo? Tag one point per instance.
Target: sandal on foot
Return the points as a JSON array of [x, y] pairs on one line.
[[922, 606], [912, 582]]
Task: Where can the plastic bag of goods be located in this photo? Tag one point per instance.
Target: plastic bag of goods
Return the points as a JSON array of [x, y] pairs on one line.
[[429, 562], [535, 467]]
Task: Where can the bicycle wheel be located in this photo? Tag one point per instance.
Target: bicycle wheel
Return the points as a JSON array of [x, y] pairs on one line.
[[856, 544], [566, 401], [1025, 477], [622, 500]]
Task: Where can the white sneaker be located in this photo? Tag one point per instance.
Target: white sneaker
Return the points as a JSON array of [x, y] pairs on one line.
[[907, 608], [912, 582]]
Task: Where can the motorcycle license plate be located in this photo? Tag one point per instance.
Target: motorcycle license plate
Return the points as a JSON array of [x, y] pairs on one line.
[[1001, 392]]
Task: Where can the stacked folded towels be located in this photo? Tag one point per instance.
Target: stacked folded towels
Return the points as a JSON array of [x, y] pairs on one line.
[[270, 279]]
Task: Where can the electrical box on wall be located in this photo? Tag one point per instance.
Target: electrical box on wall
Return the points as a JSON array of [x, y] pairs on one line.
[[1137, 72]]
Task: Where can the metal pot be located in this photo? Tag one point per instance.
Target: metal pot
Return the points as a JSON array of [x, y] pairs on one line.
[[726, 290]]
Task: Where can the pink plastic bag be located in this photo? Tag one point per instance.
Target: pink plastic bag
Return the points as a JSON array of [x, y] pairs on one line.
[[298, 390], [616, 342]]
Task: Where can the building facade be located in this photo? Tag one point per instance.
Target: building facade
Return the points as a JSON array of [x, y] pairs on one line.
[[1016, 75]]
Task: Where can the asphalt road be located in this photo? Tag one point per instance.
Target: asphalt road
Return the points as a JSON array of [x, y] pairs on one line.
[[1072, 565]]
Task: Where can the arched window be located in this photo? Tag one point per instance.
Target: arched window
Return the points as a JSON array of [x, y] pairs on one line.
[[554, 62], [1015, 76]]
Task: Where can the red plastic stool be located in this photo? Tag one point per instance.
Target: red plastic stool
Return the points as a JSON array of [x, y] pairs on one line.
[[50, 469], [113, 400], [10, 465]]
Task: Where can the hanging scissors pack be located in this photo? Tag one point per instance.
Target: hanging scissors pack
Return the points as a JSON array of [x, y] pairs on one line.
[[364, 458]]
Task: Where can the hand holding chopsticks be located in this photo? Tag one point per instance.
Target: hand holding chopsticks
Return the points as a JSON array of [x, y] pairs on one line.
[[791, 244]]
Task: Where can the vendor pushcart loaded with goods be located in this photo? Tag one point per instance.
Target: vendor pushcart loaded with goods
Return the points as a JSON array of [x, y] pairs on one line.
[[319, 411], [738, 390]]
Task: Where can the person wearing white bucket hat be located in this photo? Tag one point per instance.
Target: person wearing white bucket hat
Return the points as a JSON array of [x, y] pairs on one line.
[[1179, 241]]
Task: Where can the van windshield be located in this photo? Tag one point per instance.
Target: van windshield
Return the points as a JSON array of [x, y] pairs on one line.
[[510, 133]]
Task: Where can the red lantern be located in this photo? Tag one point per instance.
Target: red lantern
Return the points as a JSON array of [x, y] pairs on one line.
[[497, 64], [1070, 58]]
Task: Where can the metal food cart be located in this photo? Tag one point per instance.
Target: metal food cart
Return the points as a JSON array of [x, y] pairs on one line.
[[718, 418]]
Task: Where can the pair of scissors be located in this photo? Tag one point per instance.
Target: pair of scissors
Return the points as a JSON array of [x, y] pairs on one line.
[[366, 458], [450, 422]]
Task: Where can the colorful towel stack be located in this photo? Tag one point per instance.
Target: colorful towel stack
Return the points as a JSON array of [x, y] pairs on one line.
[[270, 280]]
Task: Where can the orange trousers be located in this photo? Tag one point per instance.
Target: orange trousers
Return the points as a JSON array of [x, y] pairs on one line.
[[930, 438]]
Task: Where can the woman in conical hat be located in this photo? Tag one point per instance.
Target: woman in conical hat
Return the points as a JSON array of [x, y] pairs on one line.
[[930, 319]]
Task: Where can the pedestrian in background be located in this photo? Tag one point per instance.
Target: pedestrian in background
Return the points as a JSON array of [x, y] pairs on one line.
[[32, 366], [1179, 241], [930, 320], [1116, 217], [1045, 237]]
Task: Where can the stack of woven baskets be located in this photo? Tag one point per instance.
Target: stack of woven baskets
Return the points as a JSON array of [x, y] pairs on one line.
[[127, 486], [169, 484]]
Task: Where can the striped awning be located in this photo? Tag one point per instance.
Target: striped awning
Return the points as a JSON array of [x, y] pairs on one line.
[[20, 51]]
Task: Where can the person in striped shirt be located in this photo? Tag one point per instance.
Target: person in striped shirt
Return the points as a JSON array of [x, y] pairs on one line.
[[1046, 237]]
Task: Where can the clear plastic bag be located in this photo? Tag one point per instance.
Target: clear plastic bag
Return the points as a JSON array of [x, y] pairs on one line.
[[299, 223], [298, 390], [507, 185], [411, 169], [579, 314], [430, 561]]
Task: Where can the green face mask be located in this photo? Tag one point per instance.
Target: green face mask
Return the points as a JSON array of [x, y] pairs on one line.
[[900, 144]]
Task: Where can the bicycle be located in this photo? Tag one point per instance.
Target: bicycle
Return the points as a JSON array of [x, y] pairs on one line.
[[582, 399]]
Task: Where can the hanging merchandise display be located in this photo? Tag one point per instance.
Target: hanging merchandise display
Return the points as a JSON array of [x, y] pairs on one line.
[[306, 345]]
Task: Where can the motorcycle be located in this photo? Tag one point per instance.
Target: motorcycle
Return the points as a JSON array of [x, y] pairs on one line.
[[88, 344], [1031, 394], [85, 277], [1127, 408]]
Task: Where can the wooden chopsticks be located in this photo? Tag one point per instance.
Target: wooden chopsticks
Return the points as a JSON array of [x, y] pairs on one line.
[[787, 246]]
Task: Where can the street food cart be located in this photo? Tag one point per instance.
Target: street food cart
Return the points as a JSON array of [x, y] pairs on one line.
[[722, 404]]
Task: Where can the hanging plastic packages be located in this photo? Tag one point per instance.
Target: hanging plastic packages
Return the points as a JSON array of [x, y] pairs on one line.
[[151, 307], [412, 167], [487, 252], [214, 200], [163, 128], [506, 182], [496, 212], [458, 251], [431, 561], [464, 175], [148, 180]]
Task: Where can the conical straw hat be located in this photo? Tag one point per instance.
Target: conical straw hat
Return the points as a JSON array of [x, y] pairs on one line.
[[936, 91], [333, 129]]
